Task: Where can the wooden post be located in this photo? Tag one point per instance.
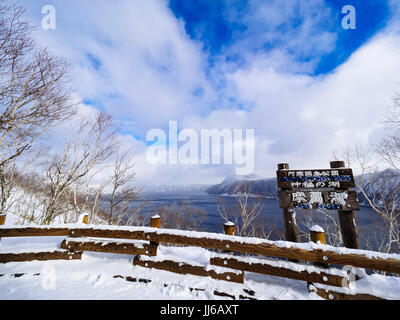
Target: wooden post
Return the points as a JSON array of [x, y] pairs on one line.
[[289, 216], [155, 222], [283, 166], [85, 219], [347, 220], [229, 228], [2, 221], [317, 235]]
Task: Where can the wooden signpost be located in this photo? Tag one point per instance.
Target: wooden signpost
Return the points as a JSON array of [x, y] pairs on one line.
[[289, 216], [326, 189]]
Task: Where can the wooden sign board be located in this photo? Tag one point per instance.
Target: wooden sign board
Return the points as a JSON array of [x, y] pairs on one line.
[[316, 179], [328, 200]]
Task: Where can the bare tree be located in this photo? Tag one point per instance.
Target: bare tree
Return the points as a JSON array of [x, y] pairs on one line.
[[33, 87], [123, 194], [380, 189], [8, 177], [86, 199], [24, 205], [327, 220], [87, 150], [33, 91], [378, 185], [181, 216], [244, 215], [12, 174], [378, 182]]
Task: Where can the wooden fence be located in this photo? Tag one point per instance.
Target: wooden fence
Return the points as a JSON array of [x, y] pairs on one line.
[[307, 261]]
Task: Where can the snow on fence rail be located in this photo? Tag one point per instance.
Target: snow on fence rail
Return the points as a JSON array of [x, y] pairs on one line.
[[282, 249], [84, 244]]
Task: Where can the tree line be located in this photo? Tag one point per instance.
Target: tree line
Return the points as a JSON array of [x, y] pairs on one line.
[[35, 100]]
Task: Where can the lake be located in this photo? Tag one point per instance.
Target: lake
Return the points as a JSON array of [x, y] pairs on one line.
[[271, 215]]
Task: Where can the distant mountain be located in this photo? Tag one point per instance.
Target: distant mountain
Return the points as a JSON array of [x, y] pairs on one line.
[[388, 179], [253, 183], [385, 183]]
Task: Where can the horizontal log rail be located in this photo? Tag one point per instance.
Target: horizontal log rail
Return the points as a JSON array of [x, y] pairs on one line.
[[281, 249], [287, 270], [78, 241], [331, 295], [109, 247], [39, 256], [34, 232], [184, 268], [288, 250]]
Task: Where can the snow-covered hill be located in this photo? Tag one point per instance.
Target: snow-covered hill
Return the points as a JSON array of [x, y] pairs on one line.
[[253, 184], [388, 180]]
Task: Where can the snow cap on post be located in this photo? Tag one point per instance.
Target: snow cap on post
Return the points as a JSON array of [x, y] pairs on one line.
[[155, 222], [229, 228], [317, 235], [317, 228]]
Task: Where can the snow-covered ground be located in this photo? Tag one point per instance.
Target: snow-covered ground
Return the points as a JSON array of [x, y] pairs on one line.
[[93, 278], [102, 276]]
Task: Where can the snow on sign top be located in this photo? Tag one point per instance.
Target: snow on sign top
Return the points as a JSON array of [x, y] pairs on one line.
[[316, 178]]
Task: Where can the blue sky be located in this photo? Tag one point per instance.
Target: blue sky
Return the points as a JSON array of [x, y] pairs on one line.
[[209, 23], [286, 69]]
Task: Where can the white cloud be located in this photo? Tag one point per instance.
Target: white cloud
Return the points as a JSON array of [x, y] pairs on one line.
[[309, 117], [298, 28], [132, 56], [149, 69]]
